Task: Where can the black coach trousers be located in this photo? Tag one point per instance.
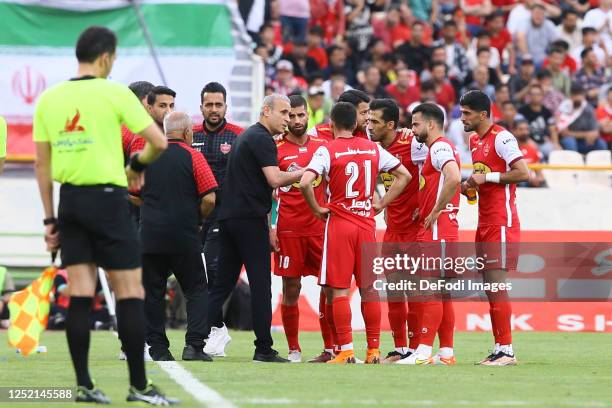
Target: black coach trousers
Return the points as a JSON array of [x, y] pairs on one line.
[[188, 268], [245, 241]]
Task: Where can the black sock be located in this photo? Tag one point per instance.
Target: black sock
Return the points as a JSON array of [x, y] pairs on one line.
[[77, 333], [131, 327]]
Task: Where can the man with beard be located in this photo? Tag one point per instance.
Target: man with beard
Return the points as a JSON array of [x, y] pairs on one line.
[[160, 102], [298, 237], [401, 214], [498, 167], [214, 139], [439, 183], [361, 101]]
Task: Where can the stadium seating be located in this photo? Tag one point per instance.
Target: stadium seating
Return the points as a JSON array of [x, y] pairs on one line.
[[563, 178], [598, 178]]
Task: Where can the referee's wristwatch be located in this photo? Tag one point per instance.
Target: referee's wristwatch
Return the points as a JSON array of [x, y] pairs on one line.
[[50, 221]]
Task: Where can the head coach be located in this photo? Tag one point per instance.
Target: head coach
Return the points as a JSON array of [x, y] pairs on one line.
[[77, 130], [252, 174], [179, 191]]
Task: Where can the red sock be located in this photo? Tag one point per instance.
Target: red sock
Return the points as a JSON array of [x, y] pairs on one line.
[[371, 316], [501, 316], [342, 320], [447, 326], [398, 315], [432, 316], [329, 312], [326, 331], [415, 315], [291, 323]]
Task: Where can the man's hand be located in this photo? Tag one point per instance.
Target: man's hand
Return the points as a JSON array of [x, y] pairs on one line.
[[274, 240], [415, 214], [321, 213], [475, 180], [52, 237], [135, 179], [431, 218], [377, 207]]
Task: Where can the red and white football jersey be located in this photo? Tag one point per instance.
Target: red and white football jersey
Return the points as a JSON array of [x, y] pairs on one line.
[[350, 166], [323, 131], [412, 155], [441, 152], [294, 215], [496, 152]]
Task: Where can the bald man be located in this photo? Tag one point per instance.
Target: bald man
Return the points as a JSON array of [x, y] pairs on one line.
[[178, 194]]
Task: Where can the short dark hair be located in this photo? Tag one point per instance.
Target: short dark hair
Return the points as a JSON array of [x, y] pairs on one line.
[[333, 48], [389, 109], [588, 30], [430, 111], [482, 34], [213, 87], [314, 76], [449, 23], [95, 41], [344, 116], [427, 86], [567, 12], [476, 100], [585, 52], [561, 44], [576, 88], [483, 49], [354, 97], [317, 30], [438, 64], [296, 101], [508, 103], [500, 86], [389, 57], [141, 88], [159, 90], [544, 74]]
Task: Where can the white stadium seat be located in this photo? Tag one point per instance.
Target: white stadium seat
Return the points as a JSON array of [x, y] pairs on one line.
[[598, 178], [563, 178]]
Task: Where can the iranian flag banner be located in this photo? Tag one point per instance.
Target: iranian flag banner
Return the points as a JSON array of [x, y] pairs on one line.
[[182, 44]]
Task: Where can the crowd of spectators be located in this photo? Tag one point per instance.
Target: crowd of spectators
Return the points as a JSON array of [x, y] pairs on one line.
[[545, 64]]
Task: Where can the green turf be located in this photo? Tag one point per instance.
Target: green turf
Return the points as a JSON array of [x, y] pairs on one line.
[[556, 370]]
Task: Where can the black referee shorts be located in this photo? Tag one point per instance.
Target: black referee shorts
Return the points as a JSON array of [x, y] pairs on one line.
[[95, 227]]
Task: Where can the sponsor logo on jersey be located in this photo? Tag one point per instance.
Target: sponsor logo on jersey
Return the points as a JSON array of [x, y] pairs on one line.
[[481, 168], [421, 182]]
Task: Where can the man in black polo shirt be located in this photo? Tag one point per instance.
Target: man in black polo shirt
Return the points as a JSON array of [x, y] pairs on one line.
[[252, 173], [214, 138], [179, 190]]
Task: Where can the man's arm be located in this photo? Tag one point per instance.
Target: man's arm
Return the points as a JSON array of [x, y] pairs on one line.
[[402, 178], [156, 144], [452, 181], [584, 134], [207, 204], [518, 173], [45, 187], [309, 195], [277, 178]]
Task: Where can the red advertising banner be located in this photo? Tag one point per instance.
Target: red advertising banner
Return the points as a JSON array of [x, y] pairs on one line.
[[593, 316]]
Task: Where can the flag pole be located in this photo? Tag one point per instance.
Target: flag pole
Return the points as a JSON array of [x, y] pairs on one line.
[[149, 40]]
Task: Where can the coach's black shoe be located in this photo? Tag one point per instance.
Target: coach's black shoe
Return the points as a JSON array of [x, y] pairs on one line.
[[83, 394], [192, 353], [150, 395], [161, 355], [271, 357]]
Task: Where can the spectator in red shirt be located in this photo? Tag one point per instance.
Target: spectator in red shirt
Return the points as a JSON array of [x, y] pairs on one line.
[[530, 152], [315, 50], [445, 93], [329, 14], [569, 64], [474, 11], [402, 91], [604, 117], [501, 39], [502, 95]]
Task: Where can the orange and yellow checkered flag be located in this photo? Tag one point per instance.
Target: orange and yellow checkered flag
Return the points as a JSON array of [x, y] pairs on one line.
[[29, 310]]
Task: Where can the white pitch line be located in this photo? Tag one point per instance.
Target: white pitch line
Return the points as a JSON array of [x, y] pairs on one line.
[[198, 390], [193, 386]]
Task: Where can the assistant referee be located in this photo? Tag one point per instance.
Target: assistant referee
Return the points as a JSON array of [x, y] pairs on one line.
[[244, 236], [77, 130]]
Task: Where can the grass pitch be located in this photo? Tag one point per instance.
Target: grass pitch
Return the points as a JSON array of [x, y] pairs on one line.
[[555, 370]]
